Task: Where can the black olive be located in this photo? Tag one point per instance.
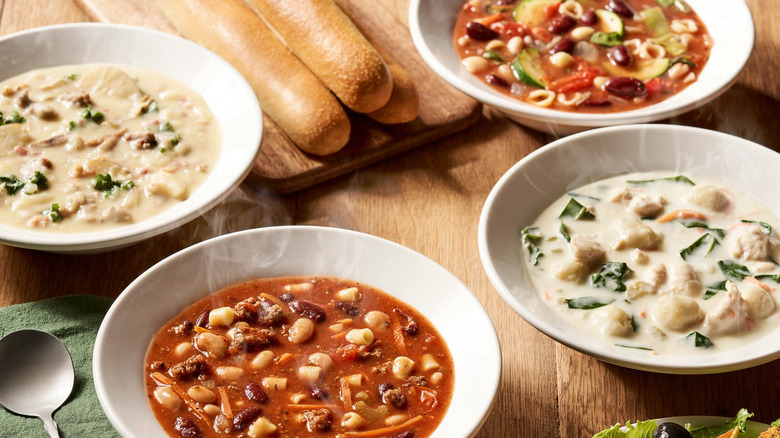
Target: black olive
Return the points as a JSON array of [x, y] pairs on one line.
[[671, 430]]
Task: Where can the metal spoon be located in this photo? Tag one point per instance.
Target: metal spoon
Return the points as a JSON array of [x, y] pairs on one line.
[[36, 375]]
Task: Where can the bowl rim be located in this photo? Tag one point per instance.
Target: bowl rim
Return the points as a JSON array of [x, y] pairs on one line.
[[625, 360], [492, 368], [547, 115], [124, 235]]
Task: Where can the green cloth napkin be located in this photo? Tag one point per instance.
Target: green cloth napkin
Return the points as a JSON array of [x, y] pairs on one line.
[[75, 320]]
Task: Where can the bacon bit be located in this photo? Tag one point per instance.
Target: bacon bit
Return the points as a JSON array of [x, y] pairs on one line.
[[164, 380], [281, 359], [346, 393], [541, 34], [21, 151], [760, 284], [428, 398], [681, 214], [225, 401], [200, 329], [551, 10], [490, 19], [385, 430]]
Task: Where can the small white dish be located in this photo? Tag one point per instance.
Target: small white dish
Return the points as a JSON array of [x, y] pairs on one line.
[[165, 289], [543, 176], [729, 22], [226, 92]]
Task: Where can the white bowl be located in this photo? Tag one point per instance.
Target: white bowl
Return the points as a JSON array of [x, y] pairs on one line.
[[537, 180], [226, 92], [432, 23], [169, 286]]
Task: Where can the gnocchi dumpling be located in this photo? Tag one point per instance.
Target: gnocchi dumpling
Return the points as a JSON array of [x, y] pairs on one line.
[[677, 312], [612, 321], [632, 233], [760, 303], [708, 197]]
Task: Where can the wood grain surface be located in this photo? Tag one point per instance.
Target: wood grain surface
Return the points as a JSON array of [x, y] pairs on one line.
[[283, 168], [429, 199]]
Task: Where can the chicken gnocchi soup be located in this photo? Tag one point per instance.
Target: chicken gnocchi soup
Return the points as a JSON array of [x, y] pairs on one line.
[[297, 357], [658, 263], [87, 147]]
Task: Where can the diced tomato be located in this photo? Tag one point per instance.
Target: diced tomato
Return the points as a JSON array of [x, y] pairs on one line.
[[347, 353], [541, 34], [580, 80], [653, 85], [428, 398], [490, 19], [551, 10]]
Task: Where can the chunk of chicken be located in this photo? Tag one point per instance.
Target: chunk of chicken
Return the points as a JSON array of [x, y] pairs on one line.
[[612, 321], [730, 315], [586, 250], [638, 289], [748, 242], [708, 197], [683, 281], [632, 233], [677, 312], [645, 206], [657, 275], [760, 303]]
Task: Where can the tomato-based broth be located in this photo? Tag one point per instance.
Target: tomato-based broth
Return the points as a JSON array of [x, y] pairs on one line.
[[293, 357], [659, 263], [96, 146], [583, 55]]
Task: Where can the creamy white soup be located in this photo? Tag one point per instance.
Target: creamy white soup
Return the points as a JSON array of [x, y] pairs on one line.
[[92, 146], [658, 263]]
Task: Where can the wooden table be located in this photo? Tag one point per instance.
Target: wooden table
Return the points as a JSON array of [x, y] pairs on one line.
[[429, 200]]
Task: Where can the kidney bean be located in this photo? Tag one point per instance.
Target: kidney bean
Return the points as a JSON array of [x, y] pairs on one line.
[[619, 55], [411, 327], [347, 308], [287, 297], [561, 24], [564, 45], [255, 392], [384, 387], [496, 80], [626, 87], [480, 32], [407, 434], [319, 393], [620, 8], [308, 310], [243, 418], [186, 427], [589, 18], [203, 319]]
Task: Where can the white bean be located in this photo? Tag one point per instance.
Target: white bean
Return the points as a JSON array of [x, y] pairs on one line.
[[167, 397], [475, 64], [301, 330], [322, 360], [582, 33], [515, 45], [561, 59], [262, 360], [215, 345], [377, 320], [229, 374], [201, 394]]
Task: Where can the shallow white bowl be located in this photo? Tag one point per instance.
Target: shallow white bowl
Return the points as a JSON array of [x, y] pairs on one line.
[[432, 23], [537, 180], [226, 92], [169, 286]]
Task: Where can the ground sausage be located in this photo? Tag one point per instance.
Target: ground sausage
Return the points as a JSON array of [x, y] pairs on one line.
[[318, 420], [194, 366]]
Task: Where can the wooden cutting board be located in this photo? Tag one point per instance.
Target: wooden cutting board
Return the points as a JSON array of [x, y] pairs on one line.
[[281, 167]]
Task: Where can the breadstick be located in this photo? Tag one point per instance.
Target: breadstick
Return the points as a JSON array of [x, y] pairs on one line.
[[327, 41], [288, 92]]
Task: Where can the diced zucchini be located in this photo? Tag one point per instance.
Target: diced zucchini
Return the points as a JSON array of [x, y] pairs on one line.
[[531, 12], [656, 21], [606, 39], [640, 69], [527, 68], [671, 43], [610, 22]]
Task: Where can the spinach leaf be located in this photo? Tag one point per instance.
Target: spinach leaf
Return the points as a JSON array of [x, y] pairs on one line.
[[698, 340], [678, 178], [580, 195], [707, 241], [714, 289], [773, 277], [576, 210], [765, 227], [40, 180], [611, 276], [715, 430], [588, 303], [634, 325], [698, 224], [733, 271], [531, 238], [11, 184], [634, 347], [564, 233]]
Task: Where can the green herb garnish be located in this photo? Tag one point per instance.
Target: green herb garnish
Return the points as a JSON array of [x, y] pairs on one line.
[[40, 180], [72, 77], [166, 126], [588, 303], [678, 178], [564, 233], [104, 183], [698, 340], [531, 238], [71, 125], [11, 184], [54, 213], [714, 289], [576, 210], [176, 139], [683, 60], [15, 117], [580, 195], [611, 276], [95, 116], [153, 107]]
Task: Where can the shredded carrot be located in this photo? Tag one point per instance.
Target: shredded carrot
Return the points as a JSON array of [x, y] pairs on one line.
[[292, 406], [643, 314], [346, 393], [223, 397], [386, 430], [345, 321], [271, 298], [758, 283], [398, 334], [487, 21], [284, 357], [340, 335], [681, 214], [163, 379], [200, 329]]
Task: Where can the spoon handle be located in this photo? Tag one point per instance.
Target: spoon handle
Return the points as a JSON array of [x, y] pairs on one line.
[[50, 425]]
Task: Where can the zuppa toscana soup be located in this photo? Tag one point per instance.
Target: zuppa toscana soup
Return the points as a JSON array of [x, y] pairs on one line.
[[583, 55], [93, 146], [296, 357], [658, 263]]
